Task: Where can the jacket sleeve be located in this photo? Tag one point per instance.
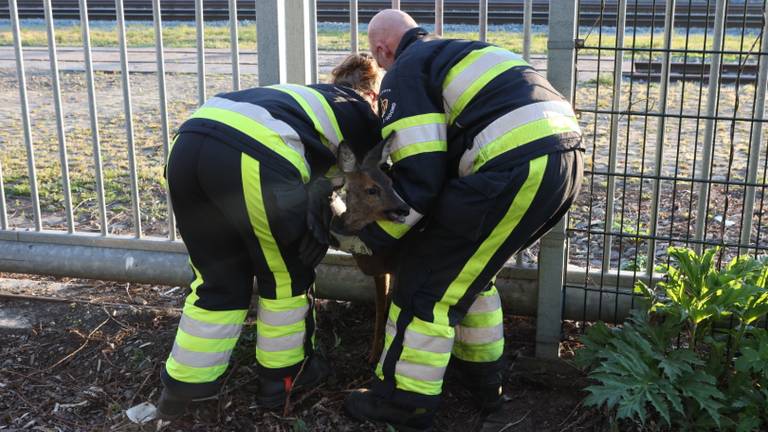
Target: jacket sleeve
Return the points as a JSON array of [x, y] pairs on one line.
[[414, 128]]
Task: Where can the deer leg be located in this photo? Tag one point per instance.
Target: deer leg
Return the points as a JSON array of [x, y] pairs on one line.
[[382, 289]]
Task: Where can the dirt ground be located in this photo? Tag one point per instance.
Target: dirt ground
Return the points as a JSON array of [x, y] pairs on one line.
[[76, 364]]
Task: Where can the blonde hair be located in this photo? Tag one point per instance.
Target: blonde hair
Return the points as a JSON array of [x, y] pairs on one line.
[[359, 72]]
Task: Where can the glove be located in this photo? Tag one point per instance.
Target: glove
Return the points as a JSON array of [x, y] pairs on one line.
[[349, 243], [316, 239]]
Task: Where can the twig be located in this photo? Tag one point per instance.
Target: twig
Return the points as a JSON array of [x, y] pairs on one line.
[[573, 411], [149, 375], [120, 323], [287, 408], [509, 425], [87, 339]]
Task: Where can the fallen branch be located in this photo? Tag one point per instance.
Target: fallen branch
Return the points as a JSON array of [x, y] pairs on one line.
[[509, 425], [73, 353]]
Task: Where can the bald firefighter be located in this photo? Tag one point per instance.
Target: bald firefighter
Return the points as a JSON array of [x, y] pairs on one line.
[[487, 155], [245, 173]]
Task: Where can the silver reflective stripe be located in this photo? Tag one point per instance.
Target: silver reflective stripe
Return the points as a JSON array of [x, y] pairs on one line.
[[413, 216], [419, 371], [318, 112], [282, 343], [479, 335], [423, 342], [509, 121], [206, 330], [417, 134], [390, 328], [473, 72], [485, 304], [281, 318], [263, 117], [199, 359]]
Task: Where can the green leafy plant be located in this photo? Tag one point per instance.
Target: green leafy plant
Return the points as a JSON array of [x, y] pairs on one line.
[[691, 358]]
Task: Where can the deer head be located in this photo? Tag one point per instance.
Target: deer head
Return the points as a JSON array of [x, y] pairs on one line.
[[369, 193]]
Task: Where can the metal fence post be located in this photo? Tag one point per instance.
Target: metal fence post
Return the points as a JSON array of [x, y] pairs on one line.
[[353, 34], [483, 20], [200, 37], [297, 37], [552, 252], [439, 17], [313, 41], [270, 37]]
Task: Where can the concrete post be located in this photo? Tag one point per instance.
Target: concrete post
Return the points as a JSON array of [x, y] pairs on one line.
[[271, 41], [298, 42], [552, 253]]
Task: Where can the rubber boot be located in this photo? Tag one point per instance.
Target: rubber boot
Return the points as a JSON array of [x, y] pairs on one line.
[[177, 396], [364, 405], [273, 391], [482, 380]]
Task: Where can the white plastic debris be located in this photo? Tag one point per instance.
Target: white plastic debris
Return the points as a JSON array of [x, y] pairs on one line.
[[142, 413]]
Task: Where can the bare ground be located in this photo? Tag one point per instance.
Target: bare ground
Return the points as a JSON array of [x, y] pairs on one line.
[[86, 359]]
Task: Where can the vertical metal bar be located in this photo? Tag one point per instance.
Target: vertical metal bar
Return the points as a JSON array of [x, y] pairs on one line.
[[527, 24], [439, 17], [158, 21], [200, 32], [353, 26], [16, 29], [669, 28], [395, 4], [313, 41], [552, 252], [483, 20], [234, 45], [757, 136], [3, 211], [59, 115], [128, 109], [270, 36], [88, 61], [618, 61], [713, 91], [297, 37]]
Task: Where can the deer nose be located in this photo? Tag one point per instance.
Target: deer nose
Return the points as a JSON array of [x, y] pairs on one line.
[[398, 214]]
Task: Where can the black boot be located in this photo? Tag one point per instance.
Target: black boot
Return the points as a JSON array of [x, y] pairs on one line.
[[482, 380], [363, 405], [173, 404], [273, 391]]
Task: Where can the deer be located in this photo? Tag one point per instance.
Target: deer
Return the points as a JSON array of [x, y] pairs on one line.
[[368, 196]]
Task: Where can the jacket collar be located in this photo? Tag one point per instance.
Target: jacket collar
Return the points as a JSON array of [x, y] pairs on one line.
[[410, 37]]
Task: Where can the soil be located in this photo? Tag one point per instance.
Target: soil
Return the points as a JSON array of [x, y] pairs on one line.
[[78, 363]]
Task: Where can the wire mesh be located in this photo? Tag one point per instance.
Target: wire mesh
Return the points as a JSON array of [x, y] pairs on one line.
[[652, 171]]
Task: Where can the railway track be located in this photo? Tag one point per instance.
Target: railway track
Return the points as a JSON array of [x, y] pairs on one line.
[[639, 13]]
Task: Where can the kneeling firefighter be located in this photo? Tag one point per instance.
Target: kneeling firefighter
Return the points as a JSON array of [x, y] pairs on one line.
[[243, 175]]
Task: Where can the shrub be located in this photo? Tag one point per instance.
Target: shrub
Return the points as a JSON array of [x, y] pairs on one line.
[[691, 358]]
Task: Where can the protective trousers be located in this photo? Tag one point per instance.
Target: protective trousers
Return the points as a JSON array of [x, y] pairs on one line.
[[240, 217], [445, 303]]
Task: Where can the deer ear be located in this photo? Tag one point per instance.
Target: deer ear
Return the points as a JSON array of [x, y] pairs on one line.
[[345, 158], [375, 156]]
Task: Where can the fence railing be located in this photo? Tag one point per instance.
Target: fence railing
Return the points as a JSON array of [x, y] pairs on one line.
[[80, 179]]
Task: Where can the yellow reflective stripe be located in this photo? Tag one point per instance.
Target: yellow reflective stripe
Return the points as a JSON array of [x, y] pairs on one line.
[[523, 135], [483, 319], [299, 94], [478, 85], [192, 297], [464, 63], [194, 343], [411, 121], [257, 131], [236, 316], [429, 358], [257, 214], [418, 148], [487, 248], [278, 331], [430, 388], [431, 329], [193, 375], [280, 359], [487, 352], [284, 304], [393, 229]]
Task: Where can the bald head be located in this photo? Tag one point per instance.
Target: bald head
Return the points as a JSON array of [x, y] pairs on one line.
[[384, 33]]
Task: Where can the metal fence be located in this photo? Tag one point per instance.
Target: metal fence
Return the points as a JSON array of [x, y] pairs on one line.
[[81, 193], [676, 154]]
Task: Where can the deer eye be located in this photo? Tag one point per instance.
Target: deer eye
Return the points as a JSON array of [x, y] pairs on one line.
[[372, 191]]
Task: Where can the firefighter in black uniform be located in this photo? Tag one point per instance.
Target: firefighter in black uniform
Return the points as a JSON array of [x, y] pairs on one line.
[[487, 155], [241, 176]]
